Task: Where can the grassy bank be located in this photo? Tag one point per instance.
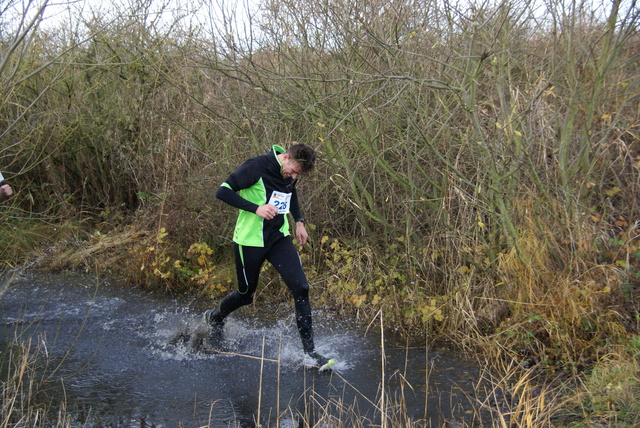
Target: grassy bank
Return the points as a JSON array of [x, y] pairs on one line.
[[478, 183]]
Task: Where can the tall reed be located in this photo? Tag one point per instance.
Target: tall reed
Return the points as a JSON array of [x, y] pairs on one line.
[[23, 383]]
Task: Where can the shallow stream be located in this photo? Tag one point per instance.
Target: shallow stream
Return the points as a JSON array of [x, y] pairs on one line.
[[125, 357]]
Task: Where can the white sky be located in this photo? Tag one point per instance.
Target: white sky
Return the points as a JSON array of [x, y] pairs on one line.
[[169, 9], [203, 13]]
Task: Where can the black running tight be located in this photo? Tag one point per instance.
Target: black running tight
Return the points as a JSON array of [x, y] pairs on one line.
[[283, 256]]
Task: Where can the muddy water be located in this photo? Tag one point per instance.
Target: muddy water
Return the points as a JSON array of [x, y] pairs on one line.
[[123, 357]]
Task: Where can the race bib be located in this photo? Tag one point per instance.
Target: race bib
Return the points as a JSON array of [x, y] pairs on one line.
[[281, 201]]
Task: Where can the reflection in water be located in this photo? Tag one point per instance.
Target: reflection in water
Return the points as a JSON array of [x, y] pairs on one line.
[[135, 358]]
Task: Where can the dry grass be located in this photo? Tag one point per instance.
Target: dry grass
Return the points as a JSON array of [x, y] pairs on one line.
[[22, 385]]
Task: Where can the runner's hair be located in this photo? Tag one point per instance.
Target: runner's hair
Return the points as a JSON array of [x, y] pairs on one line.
[[303, 154]]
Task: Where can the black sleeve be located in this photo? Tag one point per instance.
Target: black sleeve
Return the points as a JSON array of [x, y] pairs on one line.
[[227, 195], [243, 177]]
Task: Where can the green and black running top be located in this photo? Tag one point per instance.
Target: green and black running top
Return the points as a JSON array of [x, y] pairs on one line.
[[254, 183]]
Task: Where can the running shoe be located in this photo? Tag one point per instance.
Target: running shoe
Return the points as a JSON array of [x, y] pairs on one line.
[[323, 363], [211, 317]]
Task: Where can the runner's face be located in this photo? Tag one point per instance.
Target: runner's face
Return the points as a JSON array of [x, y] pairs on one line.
[[291, 168]]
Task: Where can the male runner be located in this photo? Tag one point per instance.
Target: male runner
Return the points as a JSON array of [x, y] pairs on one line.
[[263, 189]]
